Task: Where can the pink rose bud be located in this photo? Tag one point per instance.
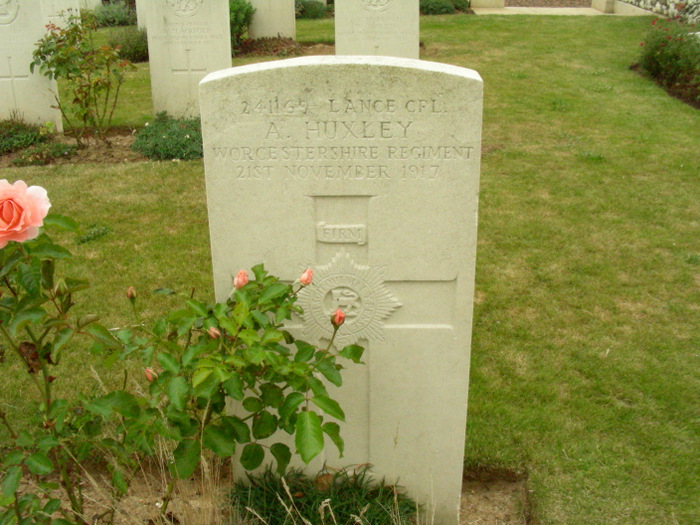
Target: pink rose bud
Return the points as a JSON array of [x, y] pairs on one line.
[[22, 211], [306, 277], [131, 293], [240, 280], [214, 332], [151, 375], [338, 318]]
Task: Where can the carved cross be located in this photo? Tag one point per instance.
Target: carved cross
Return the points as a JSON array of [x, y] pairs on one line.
[[10, 76], [194, 75]]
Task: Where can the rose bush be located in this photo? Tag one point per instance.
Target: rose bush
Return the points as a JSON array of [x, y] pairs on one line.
[[196, 360]]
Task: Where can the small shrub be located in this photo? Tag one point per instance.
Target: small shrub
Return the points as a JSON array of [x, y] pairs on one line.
[[132, 43], [671, 55], [241, 14], [437, 7], [15, 135], [348, 495], [310, 9], [462, 5], [44, 153], [93, 75], [168, 138], [115, 13]]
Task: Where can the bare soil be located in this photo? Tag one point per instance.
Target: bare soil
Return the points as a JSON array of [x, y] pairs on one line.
[[489, 497]]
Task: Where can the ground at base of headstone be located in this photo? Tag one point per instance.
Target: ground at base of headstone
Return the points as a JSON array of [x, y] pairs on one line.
[[117, 150], [489, 497]]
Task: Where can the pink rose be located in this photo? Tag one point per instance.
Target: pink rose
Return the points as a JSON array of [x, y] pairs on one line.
[[151, 375], [338, 318], [22, 211], [214, 332], [240, 280], [131, 293], [306, 277]]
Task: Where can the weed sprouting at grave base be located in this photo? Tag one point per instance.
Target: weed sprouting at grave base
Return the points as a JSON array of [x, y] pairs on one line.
[[169, 138], [349, 496]]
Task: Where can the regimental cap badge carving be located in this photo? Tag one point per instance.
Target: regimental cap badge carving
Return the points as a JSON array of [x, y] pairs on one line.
[[376, 5], [357, 290], [185, 7], [8, 11]]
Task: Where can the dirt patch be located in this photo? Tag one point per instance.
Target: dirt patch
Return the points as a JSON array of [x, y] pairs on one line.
[[116, 151], [494, 496], [489, 497], [685, 92]]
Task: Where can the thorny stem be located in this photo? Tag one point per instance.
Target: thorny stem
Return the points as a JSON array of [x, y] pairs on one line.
[[326, 352], [3, 417], [168, 496], [9, 286], [21, 356]]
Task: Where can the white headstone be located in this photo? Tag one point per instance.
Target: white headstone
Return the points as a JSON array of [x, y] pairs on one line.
[[186, 40], [57, 11], [90, 4], [367, 170], [141, 13], [273, 18], [377, 27], [29, 96]]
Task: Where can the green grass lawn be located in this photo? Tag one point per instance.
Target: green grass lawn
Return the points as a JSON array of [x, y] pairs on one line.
[[587, 319]]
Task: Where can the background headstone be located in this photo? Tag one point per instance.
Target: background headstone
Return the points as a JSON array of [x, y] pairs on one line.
[[273, 18], [377, 27], [23, 94], [367, 170], [141, 13], [186, 40], [57, 11], [90, 4]]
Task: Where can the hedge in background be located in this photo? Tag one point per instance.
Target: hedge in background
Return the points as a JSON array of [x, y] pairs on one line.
[[132, 42]]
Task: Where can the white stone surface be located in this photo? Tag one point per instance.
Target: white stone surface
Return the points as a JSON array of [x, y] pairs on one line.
[[90, 4], [604, 6], [22, 93], [141, 13], [377, 27], [273, 18], [57, 11], [186, 40], [366, 169]]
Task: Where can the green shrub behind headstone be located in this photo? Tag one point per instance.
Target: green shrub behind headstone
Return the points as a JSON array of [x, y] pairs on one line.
[[241, 14], [115, 13], [310, 9], [437, 7], [132, 42]]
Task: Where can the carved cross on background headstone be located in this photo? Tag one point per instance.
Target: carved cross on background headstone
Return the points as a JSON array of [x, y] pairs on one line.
[[8, 75], [194, 74]]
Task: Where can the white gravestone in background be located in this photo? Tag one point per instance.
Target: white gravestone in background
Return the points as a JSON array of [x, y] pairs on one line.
[[23, 94], [57, 11], [377, 27], [141, 13], [90, 4], [367, 170], [273, 18], [186, 40]]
